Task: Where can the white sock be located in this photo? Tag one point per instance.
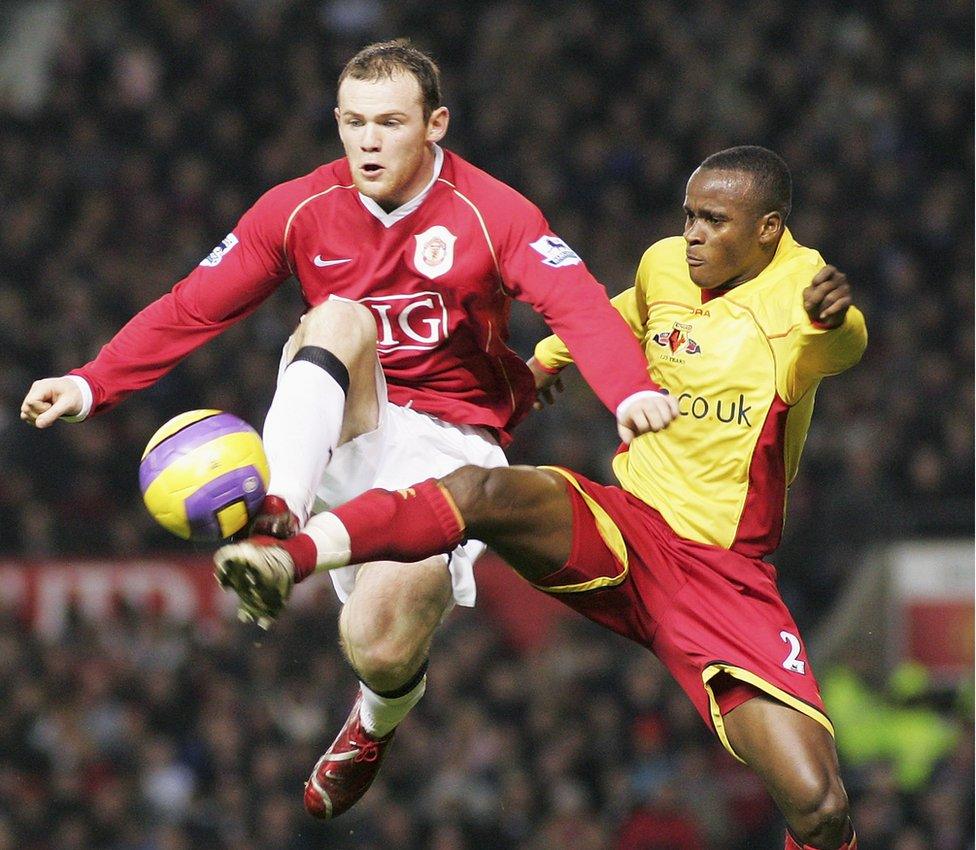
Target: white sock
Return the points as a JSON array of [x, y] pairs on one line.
[[332, 545], [381, 715], [300, 433]]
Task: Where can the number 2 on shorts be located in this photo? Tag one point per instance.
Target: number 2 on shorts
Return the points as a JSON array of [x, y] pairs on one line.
[[792, 661]]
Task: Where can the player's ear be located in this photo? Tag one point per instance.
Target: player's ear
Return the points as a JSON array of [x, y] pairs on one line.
[[770, 227], [336, 113], [437, 124]]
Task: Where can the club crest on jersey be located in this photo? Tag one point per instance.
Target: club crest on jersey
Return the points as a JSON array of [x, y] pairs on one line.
[[677, 340], [434, 254], [217, 254], [555, 252]]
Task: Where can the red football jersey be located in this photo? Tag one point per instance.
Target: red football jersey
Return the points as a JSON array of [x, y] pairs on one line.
[[438, 274]]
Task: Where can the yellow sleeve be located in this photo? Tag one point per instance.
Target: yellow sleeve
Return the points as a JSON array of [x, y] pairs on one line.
[[552, 352], [816, 353], [631, 304]]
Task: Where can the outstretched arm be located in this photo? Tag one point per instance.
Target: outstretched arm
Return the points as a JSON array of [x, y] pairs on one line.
[[225, 287], [539, 268], [638, 413]]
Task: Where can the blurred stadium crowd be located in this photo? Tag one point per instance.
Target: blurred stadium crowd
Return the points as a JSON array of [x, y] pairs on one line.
[[133, 135], [138, 734]]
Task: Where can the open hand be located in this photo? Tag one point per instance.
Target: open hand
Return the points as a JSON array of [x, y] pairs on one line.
[[546, 384]]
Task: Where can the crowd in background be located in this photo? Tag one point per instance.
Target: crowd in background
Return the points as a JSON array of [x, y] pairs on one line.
[[139, 734], [133, 136]]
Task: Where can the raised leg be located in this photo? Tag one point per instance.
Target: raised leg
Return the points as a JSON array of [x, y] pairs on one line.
[[325, 396], [523, 513]]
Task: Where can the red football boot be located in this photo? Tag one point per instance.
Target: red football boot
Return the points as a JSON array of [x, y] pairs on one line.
[[346, 770], [275, 519]]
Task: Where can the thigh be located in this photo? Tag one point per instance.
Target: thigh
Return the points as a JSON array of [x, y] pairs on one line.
[[728, 620], [793, 754], [524, 513], [613, 542], [397, 603]]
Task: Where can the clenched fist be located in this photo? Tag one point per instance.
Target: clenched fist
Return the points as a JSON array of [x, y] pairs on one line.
[[49, 399], [827, 298]]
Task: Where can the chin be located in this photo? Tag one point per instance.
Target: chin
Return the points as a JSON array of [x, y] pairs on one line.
[[370, 190], [366, 186]]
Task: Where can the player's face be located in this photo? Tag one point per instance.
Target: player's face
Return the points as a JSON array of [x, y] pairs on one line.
[[728, 240], [387, 141]]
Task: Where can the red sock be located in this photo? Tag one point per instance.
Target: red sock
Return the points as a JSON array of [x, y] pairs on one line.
[[793, 844], [401, 525], [301, 547]]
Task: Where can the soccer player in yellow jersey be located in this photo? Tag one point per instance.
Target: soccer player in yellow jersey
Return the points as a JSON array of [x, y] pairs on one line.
[[740, 323]]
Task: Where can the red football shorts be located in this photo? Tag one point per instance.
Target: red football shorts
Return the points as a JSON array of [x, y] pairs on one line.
[[703, 610]]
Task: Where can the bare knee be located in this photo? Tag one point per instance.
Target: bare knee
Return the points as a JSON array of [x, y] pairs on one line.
[[346, 328], [470, 487], [818, 812], [384, 665], [382, 661]]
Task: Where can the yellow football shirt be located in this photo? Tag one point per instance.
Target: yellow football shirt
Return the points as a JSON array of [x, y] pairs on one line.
[[745, 367]]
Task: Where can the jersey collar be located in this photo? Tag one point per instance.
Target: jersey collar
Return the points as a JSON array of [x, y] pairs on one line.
[[388, 219]]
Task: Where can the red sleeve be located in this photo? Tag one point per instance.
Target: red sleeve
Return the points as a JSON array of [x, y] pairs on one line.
[[541, 269], [227, 286]]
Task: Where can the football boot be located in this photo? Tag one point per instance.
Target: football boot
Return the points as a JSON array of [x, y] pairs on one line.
[[346, 769], [274, 519], [262, 575]]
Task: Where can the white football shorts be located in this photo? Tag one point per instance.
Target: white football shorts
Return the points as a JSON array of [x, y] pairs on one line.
[[407, 447]]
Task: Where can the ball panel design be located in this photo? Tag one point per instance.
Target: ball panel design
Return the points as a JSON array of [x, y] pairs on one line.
[[241, 487], [168, 509], [232, 518], [206, 477], [183, 441], [177, 423]]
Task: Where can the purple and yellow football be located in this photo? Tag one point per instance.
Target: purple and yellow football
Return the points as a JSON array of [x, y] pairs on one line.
[[204, 474]]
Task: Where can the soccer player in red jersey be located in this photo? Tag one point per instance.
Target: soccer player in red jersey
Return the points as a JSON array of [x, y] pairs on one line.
[[741, 324], [408, 258]]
